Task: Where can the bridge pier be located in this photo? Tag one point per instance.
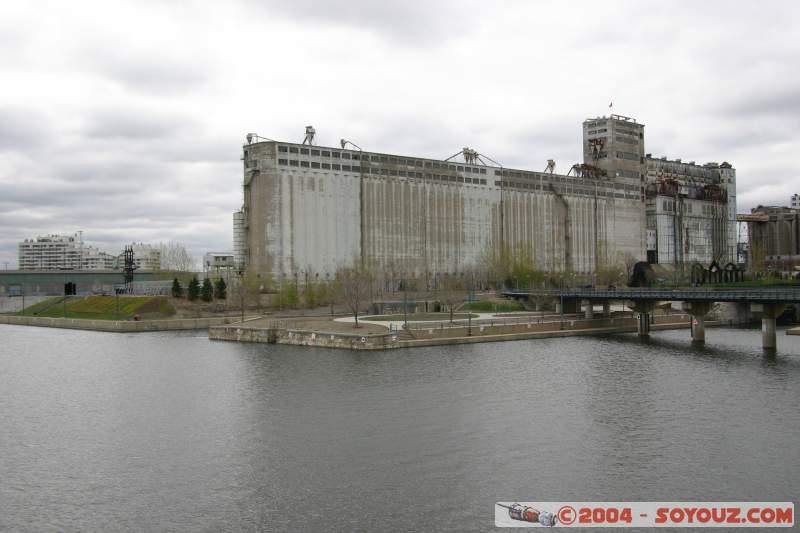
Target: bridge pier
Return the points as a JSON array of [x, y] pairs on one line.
[[698, 311], [642, 308], [589, 310], [768, 312], [606, 309]]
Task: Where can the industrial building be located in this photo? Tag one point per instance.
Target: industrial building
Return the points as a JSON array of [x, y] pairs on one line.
[[774, 238], [691, 212], [53, 252], [309, 210]]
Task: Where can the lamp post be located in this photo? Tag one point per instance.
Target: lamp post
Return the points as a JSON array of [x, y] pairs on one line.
[[561, 318], [405, 303], [64, 301], [471, 299]]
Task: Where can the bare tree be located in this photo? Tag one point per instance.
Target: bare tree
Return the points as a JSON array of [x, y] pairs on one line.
[[354, 285], [452, 290], [246, 292], [174, 256]]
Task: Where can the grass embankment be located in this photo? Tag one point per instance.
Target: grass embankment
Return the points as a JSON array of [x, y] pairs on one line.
[[103, 307], [493, 306]]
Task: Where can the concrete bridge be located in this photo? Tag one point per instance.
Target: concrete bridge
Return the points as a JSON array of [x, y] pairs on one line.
[[769, 303]]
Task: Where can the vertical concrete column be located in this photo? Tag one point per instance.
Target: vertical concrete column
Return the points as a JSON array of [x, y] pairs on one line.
[[768, 312], [643, 324], [589, 310], [606, 309], [699, 329], [698, 312], [537, 304], [642, 308], [558, 308], [769, 340]]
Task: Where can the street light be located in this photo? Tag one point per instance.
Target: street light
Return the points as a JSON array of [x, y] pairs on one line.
[[64, 301]]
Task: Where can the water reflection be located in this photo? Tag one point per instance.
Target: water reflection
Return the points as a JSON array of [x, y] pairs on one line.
[[171, 431]]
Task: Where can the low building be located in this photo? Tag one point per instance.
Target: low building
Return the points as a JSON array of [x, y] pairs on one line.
[[55, 252], [16, 283], [219, 263]]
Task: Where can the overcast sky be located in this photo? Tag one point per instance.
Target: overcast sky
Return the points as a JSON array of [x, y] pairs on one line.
[[126, 119]]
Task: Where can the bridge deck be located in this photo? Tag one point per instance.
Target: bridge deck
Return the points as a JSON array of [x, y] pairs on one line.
[[777, 295]]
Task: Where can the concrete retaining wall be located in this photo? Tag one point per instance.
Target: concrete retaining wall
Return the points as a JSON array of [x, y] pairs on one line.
[[243, 333], [303, 338], [533, 327], [118, 326]]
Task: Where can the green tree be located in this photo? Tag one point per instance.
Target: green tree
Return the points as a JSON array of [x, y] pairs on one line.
[[286, 297], [207, 292], [220, 290], [177, 290], [194, 289]]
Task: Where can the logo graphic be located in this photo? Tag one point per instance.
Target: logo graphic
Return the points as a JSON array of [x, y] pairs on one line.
[[567, 515]]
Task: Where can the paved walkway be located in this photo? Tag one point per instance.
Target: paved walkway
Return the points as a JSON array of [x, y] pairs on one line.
[[397, 325]]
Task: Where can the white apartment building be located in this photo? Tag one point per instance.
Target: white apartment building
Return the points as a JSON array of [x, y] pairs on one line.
[[53, 252]]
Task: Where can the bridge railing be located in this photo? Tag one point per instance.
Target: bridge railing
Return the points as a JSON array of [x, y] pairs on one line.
[[688, 293]]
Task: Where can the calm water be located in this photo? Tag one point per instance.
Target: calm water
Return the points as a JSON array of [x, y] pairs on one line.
[[107, 432]]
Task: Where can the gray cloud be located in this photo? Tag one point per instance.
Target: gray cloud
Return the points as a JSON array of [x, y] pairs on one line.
[[21, 129], [133, 130], [122, 124], [405, 23]]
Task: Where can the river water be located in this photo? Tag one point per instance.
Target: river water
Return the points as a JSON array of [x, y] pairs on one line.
[[173, 432]]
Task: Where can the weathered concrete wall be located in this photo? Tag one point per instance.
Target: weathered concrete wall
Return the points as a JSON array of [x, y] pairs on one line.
[[118, 326], [435, 336], [306, 214], [243, 333]]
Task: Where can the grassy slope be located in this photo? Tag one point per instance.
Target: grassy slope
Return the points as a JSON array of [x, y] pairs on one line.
[[103, 307]]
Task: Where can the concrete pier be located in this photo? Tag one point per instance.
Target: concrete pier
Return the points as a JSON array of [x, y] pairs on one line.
[[769, 340], [606, 309], [769, 313], [642, 308], [589, 310], [698, 312]]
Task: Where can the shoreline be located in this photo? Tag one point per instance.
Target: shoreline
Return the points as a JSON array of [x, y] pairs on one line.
[[119, 326], [281, 334]]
